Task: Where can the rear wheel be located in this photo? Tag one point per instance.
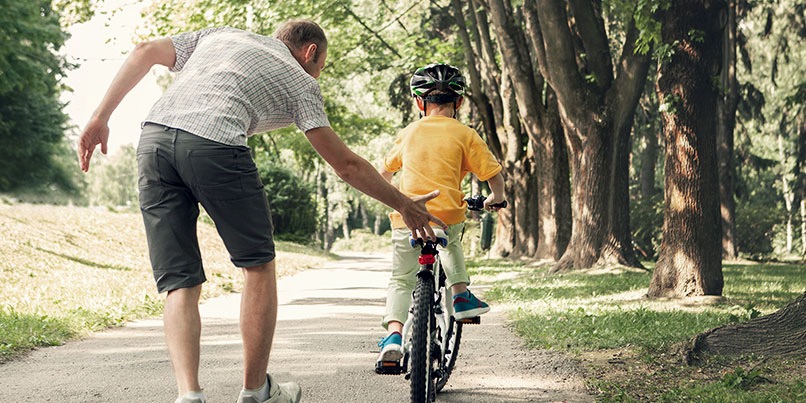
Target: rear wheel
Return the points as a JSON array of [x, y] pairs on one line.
[[422, 379]]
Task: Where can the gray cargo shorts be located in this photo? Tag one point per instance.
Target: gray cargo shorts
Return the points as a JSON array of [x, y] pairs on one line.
[[177, 172]]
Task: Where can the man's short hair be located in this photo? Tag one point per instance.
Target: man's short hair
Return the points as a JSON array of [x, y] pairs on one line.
[[297, 33]]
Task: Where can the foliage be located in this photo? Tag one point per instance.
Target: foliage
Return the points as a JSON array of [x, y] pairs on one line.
[[646, 219], [292, 207], [114, 181], [755, 228], [32, 123], [646, 20]]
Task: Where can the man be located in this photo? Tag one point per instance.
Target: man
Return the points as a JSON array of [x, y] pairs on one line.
[[231, 84]]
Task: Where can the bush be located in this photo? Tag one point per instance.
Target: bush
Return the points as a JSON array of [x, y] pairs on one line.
[[646, 220], [755, 225], [293, 211]]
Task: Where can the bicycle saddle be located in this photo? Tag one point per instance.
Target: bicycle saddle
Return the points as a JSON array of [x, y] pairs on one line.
[[442, 238]]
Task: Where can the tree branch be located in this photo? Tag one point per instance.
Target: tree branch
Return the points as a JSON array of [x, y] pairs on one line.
[[375, 34], [590, 26]]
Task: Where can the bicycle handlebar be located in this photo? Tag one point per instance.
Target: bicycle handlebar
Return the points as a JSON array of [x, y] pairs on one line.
[[476, 203]]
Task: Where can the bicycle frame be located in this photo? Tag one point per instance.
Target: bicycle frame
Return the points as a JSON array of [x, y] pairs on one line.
[[442, 311]]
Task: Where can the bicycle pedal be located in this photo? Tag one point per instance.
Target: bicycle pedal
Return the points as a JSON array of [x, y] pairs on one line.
[[388, 368], [470, 321]]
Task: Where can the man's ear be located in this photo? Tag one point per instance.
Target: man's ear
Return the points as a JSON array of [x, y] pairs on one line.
[[310, 52], [459, 102]]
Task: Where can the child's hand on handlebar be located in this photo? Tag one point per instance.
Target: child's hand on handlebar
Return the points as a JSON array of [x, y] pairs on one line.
[[494, 202]]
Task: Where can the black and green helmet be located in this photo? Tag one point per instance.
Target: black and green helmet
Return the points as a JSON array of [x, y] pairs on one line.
[[437, 76]]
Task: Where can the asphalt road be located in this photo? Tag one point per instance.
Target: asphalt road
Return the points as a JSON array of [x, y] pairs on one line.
[[326, 340]]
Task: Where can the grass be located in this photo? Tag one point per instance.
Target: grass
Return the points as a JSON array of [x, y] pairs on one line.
[[67, 271], [630, 346]]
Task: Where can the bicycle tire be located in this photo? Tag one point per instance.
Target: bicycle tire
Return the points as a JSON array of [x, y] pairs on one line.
[[422, 380], [449, 353]]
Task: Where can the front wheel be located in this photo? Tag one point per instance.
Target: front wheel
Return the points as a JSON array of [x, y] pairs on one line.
[[422, 380], [450, 349]]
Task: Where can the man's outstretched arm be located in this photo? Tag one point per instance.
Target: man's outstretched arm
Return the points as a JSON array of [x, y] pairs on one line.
[[360, 174], [144, 56]]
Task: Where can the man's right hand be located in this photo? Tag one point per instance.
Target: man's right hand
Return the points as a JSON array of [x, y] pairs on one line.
[[418, 219], [96, 132]]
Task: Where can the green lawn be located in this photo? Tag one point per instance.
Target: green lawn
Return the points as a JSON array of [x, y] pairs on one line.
[[631, 346]]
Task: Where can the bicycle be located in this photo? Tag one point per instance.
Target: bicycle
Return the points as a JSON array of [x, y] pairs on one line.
[[432, 336]]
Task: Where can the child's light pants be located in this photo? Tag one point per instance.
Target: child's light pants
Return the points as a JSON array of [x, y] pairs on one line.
[[405, 264]]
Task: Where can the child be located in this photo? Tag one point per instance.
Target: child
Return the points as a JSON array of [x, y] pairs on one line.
[[436, 151]]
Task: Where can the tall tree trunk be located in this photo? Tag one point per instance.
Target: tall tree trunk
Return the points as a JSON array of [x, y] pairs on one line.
[[787, 192], [547, 215], [554, 193], [625, 94], [690, 259], [649, 158], [477, 95], [726, 114], [597, 109]]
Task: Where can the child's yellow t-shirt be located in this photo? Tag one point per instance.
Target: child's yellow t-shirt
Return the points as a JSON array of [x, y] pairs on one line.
[[436, 152]]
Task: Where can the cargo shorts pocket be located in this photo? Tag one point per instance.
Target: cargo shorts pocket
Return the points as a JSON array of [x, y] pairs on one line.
[[225, 174], [149, 185]]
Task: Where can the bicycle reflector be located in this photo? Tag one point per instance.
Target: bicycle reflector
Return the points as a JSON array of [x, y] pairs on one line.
[[427, 259]]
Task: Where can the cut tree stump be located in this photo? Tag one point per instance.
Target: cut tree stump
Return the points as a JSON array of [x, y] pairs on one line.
[[779, 334]]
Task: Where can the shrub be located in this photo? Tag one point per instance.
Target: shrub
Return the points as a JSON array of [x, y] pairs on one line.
[[293, 210]]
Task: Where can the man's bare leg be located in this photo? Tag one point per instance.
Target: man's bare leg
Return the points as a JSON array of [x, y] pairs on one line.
[[258, 320], [182, 325]]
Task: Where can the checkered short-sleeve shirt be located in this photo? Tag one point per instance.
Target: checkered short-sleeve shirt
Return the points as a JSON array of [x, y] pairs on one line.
[[233, 83]]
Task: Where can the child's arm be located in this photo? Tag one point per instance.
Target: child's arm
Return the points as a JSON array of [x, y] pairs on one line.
[[496, 195]]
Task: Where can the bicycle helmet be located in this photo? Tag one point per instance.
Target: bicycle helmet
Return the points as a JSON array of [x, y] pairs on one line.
[[445, 79]]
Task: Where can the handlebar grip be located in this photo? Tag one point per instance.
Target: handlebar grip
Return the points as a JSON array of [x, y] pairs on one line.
[[476, 203]]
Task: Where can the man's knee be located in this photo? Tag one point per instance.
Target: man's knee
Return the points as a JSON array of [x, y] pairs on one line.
[[261, 268]]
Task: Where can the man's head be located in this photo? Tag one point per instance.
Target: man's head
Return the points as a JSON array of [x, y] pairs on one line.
[[307, 42], [438, 84]]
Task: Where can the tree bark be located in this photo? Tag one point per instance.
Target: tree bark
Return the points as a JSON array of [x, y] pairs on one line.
[[518, 159], [726, 113], [780, 334], [596, 108], [690, 258]]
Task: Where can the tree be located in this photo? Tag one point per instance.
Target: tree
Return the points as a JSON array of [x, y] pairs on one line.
[[727, 102], [690, 259], [597, 101], [531, 143], [32, 124]]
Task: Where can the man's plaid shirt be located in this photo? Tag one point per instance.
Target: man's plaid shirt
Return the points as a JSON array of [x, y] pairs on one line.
[[233, 83]]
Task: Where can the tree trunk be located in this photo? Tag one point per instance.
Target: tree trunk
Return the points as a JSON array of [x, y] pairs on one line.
[[726, 114], [649, 158], [690, 258], [622, 100], [546, 215], [554, 193], [780, 334], [597, 110], [477, 95]]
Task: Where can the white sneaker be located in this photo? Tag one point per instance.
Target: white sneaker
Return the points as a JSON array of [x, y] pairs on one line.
[[288, 392]]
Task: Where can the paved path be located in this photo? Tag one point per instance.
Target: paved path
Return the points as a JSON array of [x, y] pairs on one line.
[[326, 338]]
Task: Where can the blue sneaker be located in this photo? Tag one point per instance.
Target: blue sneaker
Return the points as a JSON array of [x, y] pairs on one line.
[[466, 305], [391, 347]]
